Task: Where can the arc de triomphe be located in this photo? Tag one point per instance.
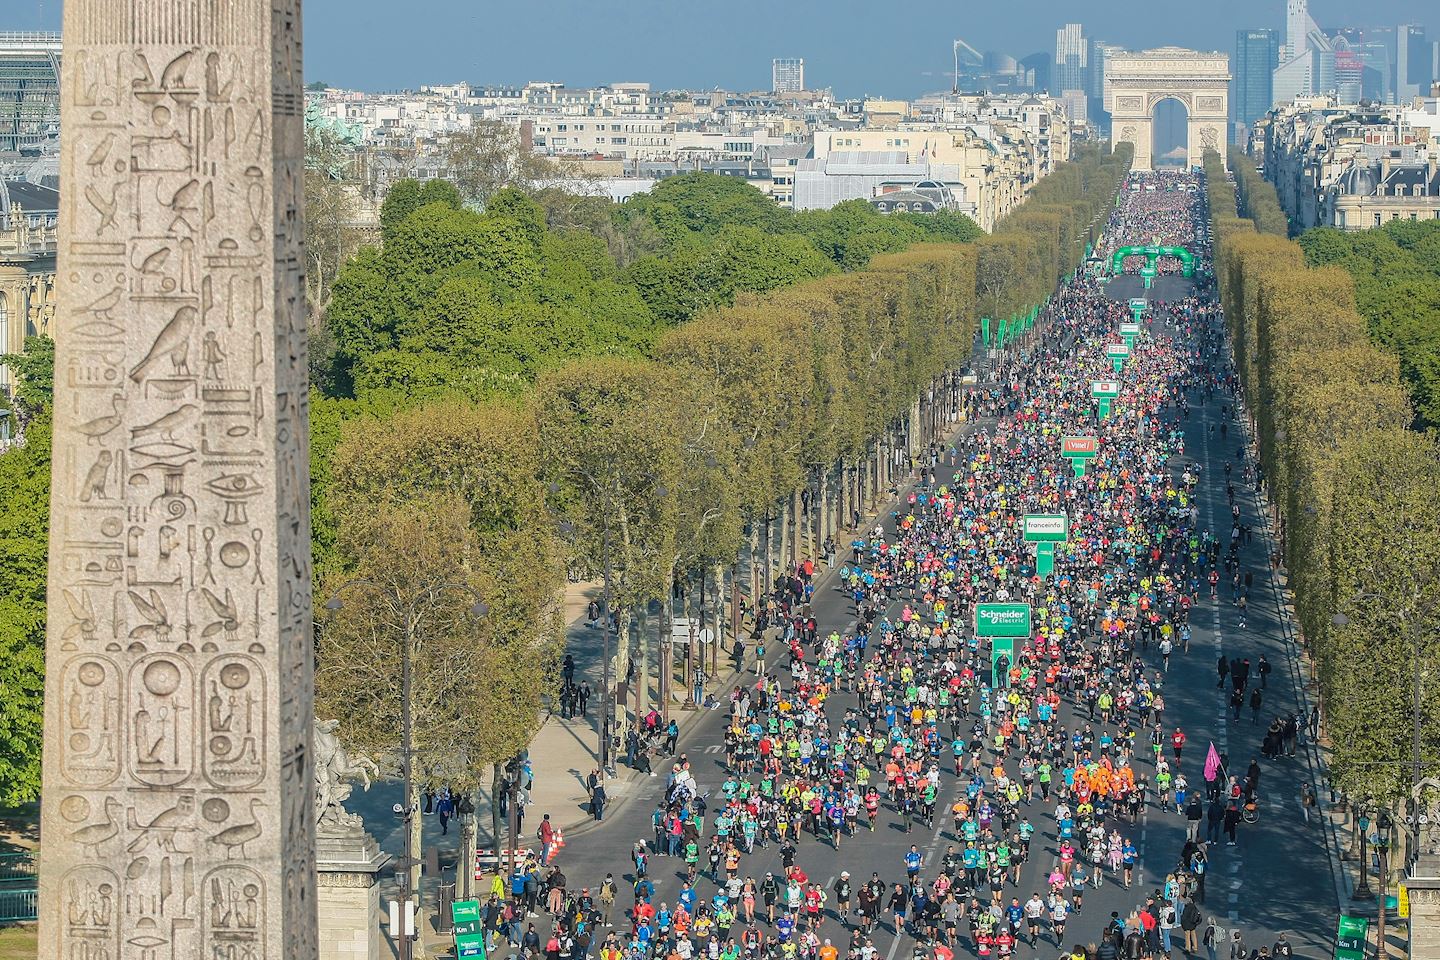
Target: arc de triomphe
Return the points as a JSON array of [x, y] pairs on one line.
[[1136, 82]]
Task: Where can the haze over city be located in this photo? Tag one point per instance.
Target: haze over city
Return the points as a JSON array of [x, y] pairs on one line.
[[856, 48]]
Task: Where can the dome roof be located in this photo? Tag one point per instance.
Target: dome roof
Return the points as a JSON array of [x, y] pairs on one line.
[[1360, 180]]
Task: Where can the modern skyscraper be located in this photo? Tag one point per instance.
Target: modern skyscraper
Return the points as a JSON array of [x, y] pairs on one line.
[[1307, 63], [1037, 70], [1412, 62], [29, 89], [1257, 53], [787, 75], [1072, 56]]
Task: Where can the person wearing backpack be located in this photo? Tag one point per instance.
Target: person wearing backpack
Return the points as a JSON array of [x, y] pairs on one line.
[[1190, 923], [1215, 937]]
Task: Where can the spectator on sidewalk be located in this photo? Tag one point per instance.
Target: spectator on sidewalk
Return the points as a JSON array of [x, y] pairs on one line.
[[597, 802]]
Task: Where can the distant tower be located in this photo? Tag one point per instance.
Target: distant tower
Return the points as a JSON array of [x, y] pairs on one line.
[[1297, 27], [787, 75]]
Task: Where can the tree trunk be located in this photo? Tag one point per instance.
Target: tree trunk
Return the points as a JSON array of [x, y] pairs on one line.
[[768, 581], [666, 670], [822, 512], [417, 822], [735, 616], [754, 565], [797, 509], [783, 561], [620, 718], [642, 672], [717, 624]]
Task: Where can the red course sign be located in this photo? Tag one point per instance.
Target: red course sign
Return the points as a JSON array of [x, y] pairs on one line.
[[1079, 446]]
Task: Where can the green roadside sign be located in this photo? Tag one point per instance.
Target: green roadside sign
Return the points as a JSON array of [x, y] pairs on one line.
[[469, 945], [1351, 935], [1129, 329], [465, 915], [1002, 620], [1104, 389]]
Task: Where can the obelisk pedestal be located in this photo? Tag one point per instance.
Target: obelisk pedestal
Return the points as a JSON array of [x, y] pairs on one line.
[[348, 895], [177, 815]]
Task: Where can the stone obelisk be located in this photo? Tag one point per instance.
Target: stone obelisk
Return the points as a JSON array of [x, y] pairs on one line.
[[177, 817]]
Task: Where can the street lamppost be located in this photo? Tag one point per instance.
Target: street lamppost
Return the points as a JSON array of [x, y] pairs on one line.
[[1382, 847], [411, 608], [1362, 890]]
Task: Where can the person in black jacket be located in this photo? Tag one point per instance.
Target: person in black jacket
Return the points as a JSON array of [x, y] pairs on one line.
[[1190, 923]]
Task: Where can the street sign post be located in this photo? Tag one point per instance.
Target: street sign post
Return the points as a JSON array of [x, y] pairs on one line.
[[1350, 938], [1104, 391], [1002, 624], [1118, 353], [470, 945], [469, 938], [1079, 450], [1045, 530]]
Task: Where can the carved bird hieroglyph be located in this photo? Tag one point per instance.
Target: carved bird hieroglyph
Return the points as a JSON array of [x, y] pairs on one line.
[[173, 343]]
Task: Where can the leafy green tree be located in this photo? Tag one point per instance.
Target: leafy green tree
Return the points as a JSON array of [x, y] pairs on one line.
[[944, 225], [491, 156], [34, 370], [704, 203], [24, 527]]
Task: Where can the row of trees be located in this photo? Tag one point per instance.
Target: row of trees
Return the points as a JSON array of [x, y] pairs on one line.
[[1396, 271], [1353, 488], [1256, 196]]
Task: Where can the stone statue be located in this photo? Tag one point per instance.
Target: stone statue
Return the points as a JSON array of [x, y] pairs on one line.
[[1426, 795], [334, 769]]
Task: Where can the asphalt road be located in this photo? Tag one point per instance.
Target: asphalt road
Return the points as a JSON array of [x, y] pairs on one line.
[[1278, 878]]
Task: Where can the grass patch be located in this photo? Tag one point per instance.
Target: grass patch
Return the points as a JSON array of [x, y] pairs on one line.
[[18, 943]]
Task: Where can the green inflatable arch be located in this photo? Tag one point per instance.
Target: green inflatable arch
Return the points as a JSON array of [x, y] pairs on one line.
[[1151, 255]]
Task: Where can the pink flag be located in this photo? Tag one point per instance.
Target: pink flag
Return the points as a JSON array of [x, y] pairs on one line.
[[1212, 763]]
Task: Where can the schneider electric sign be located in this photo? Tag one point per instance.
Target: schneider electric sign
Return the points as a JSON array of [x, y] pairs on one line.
[[1002, 620]]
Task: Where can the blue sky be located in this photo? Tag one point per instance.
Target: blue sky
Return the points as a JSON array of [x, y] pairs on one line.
[[858, 47]]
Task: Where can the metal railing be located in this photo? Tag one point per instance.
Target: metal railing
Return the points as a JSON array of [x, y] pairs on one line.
[[19, 887]]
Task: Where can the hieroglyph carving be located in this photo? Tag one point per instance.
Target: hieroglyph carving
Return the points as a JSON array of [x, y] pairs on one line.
[[178, 809]]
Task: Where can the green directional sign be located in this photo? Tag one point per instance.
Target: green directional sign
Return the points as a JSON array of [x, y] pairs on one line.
[[1351, 935], [465, 915], [1129, 329], [1002, 620], [1046, 527], [469, 945]]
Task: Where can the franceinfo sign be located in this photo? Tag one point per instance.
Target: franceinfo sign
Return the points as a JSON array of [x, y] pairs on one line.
[[1046, 527], [1002, 620]]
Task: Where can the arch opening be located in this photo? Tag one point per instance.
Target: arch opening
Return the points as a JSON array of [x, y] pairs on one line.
[[1170, 137]]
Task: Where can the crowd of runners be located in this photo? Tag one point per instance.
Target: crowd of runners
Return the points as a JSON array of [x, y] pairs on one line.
[[1018, 787]]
